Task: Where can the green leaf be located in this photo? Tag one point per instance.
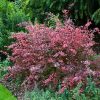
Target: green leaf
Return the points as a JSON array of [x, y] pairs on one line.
[[5, 94], [96, 16]]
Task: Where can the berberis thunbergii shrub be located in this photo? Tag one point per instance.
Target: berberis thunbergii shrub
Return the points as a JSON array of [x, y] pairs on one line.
[[47, 56]]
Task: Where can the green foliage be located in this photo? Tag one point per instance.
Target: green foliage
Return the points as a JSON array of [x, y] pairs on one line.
[[94, 57], [3, 67], [80, 10], [5, 94], [38, 9], [42, 95], [10, 16], [96, 16], [52, 20], [91, 92], [84, 10]]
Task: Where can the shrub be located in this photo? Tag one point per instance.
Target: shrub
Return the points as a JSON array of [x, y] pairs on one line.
[[3, 67], [47, 56], [10, 15], [91, 92], [80, 10]]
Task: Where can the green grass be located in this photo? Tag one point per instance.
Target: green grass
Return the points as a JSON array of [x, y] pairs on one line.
[[5, 94]]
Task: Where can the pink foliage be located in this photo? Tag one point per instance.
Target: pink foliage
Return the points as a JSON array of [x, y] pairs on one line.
[[49, 56]]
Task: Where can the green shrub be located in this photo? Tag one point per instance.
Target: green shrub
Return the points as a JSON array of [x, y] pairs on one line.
[[3, 67], [10, 16], [80, 10], [91, 92]]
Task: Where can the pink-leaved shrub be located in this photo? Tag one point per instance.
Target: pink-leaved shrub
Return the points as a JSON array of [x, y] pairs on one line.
[[46, 56]]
